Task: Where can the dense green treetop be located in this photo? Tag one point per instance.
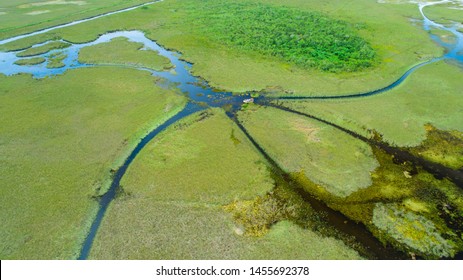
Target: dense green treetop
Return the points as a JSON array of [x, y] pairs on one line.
[[307, 39]]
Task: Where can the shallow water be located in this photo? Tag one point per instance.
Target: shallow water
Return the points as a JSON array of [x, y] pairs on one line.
[[180, 76], [197, 89]]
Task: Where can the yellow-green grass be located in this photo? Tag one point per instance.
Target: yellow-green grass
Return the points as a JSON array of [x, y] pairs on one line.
[[30, 61], [143, 229], [445, 147], [433, 94], [171, 206], [437, 206], [444, 13], [121, 51], [59, 139], [398, 43], [327, 156], [43, 49], [55, 60], [25, 16], [199, 158], [412, 229]]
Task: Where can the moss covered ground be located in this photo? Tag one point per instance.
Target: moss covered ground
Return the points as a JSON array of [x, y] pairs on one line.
[[174, 197], [60, 137], [412, 229], [423, 212], [426, 211], [445, 147]]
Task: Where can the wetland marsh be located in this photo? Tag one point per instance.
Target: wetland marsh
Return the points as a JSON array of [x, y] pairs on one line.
[[130, 139]]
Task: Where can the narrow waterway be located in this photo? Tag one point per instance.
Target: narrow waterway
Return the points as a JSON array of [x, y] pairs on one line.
[[363, 94], [109, 196], [201, 95], [373, 248]]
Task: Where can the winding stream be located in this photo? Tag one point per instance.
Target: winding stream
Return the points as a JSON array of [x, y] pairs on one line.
[[454, 50], [201, 95]]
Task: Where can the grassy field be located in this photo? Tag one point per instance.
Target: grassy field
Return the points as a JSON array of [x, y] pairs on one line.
[[331, 158], [386, 27], [55, 60], [24, 16], [167, 211], [59, 139], [414, 230], [121, 51], [30, 61], [431, 95]]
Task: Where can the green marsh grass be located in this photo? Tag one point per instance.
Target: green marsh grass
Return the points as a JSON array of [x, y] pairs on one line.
[[30, 61], [445, 147], [121, 51], [431, 95], [160, 213], [55, 60], [43, 49], [59, 138], [444, 35], [174, 195], [438, 202], [333, 159]]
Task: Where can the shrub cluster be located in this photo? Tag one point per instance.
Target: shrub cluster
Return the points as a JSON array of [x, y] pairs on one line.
[[306, 38]]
